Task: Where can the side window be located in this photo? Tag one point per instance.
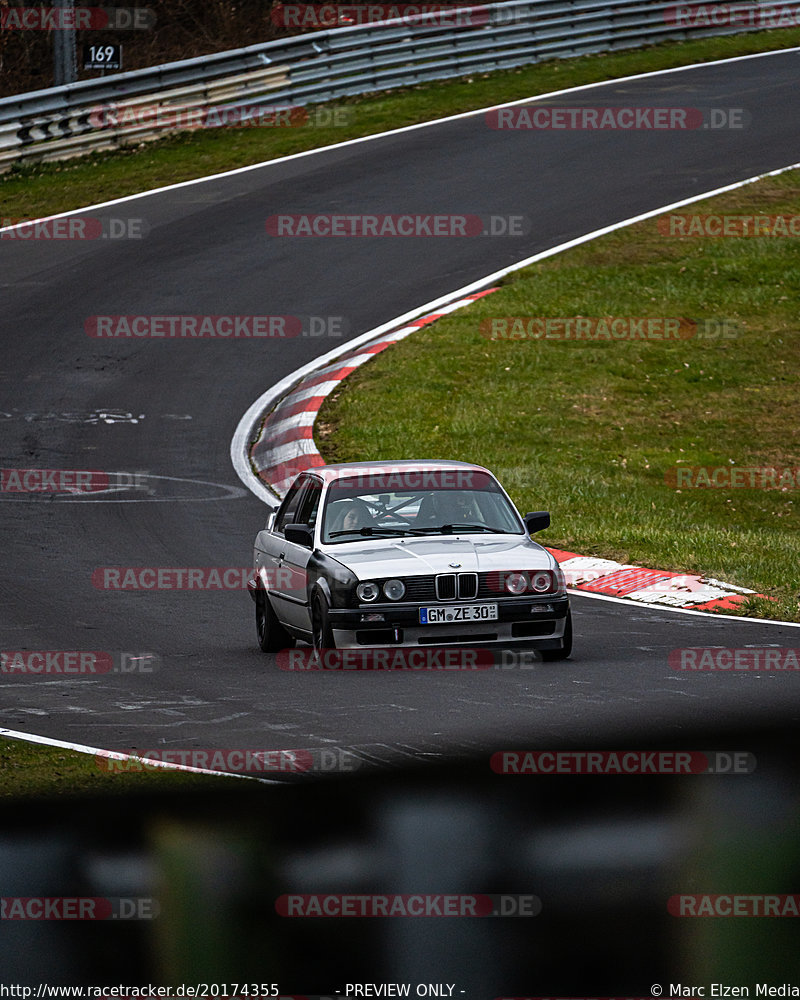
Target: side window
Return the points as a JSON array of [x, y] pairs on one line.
[[290, 503], [309, 507]]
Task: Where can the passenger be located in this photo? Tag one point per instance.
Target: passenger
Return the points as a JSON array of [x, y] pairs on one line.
[[353, 515]]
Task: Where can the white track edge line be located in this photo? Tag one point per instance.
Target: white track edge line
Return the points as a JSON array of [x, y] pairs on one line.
[[120, 755], [396, 131], [683, 611]]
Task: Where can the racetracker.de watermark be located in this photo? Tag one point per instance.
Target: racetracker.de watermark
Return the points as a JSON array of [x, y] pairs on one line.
[[73, 227], [544, 117], [617, 762], [242, 760], [410, 225], [606, 328], [67, 18], [734, 905], [733, 477], [76, 663], [213, 327], [69, 481], [415, 660], [332, 15], [78, 908], [150, 578], [409, 905], [731, 226], [742, 15], [724, 660], [630, 578], [189, 117]]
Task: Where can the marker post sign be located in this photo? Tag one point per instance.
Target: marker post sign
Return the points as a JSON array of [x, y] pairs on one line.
[[102, 57]]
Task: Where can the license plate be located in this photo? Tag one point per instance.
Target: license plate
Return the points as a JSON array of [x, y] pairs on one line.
[[462, 613]]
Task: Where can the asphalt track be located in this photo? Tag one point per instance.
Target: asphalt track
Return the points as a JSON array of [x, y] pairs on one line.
[[207, 252]]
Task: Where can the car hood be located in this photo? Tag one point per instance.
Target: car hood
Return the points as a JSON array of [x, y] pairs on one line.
[[388, 557]]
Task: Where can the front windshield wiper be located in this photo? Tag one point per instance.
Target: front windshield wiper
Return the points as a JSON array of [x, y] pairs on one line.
[[377, 529], [448, 529]]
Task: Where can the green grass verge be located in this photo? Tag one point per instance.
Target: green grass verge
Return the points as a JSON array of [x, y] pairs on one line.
[[34, 770], [589, 429], [37, 190]]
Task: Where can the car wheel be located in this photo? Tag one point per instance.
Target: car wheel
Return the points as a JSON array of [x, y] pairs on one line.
[[566, 644], [323, 634], [272, 636]]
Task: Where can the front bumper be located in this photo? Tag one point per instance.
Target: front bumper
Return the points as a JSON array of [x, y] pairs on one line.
[[536, 623]]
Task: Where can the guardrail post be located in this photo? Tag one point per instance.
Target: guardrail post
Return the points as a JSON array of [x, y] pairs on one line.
[[65, 64]]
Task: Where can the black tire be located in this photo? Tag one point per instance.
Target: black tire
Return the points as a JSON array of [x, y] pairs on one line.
[[322, 632], [566, 644], [272, 636]]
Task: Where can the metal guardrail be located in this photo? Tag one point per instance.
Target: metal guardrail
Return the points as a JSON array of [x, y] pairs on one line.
[[324, 66]]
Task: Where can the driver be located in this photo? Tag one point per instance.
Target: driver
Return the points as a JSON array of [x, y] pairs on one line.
[[448, 507]]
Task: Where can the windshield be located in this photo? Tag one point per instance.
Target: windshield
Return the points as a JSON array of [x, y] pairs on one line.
[[468, 503]]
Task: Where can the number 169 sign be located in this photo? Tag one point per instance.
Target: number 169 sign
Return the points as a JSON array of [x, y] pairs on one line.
[[102, 57]]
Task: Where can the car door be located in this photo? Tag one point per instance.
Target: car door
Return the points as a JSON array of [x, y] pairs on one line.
[[270, 547], [294, 558]]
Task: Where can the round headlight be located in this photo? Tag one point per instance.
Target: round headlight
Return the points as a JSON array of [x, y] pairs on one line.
[[394, 589], [541, 582], [516, 583], [368, 591]]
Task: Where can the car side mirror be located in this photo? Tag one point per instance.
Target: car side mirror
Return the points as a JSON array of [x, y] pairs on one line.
[[270, 520], [299, 534], [537, 521]]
